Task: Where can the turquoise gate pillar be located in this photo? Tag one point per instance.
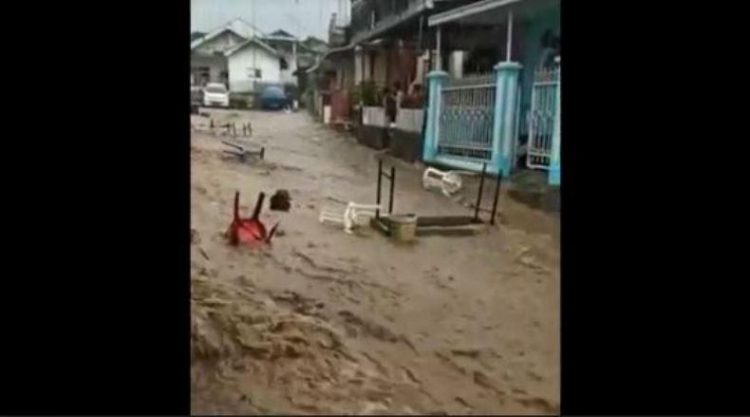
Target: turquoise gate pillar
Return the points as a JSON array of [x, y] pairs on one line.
[[504, 130], [554, 165], [436, 80]]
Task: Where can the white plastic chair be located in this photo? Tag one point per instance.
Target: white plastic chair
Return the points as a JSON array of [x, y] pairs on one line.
[[351, 216], [449, 182]]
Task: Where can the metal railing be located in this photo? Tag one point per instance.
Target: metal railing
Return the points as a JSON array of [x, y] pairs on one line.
[[466, 117], [541, 117]]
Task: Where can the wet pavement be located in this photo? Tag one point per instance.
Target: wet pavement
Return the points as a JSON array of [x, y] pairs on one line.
[[325, 322]]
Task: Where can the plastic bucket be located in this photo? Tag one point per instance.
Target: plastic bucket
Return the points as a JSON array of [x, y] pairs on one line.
[[403, 227]]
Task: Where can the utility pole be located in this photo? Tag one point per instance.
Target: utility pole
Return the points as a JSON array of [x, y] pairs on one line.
[[255, 68]]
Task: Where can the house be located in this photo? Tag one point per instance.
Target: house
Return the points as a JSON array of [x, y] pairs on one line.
[[246, 60], [332, 76], [505, 115], [288, 46], [253, 64], [393, 39], [309, 53], [207, 60], [314, 44], [392, 44], [280, 34], [295, 58], [490, 68]]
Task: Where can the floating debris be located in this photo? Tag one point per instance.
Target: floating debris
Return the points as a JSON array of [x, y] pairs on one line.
[[249, 231], [281, 201]]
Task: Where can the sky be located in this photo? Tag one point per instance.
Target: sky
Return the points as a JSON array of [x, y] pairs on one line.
[[301, 18]]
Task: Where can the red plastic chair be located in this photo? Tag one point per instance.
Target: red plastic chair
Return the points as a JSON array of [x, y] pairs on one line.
[[250, 231]]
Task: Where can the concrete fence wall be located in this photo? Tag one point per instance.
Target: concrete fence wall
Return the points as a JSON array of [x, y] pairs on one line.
[[410, 120], [374, 116]]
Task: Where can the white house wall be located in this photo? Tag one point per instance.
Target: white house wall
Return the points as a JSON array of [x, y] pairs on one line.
[[287, 50], [287, 76], [240, 62]]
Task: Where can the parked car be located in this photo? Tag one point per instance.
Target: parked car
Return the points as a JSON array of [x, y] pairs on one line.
[[215, 94], [274, 98]]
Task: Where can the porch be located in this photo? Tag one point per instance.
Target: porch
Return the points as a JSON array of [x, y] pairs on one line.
[[205, 68], [506, 115]]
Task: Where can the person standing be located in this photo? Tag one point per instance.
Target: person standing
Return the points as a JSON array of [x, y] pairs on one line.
[[394, 99], [399, 93], [391, 106], [550, 49]]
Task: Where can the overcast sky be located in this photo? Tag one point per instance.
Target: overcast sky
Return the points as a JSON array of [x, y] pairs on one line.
[[301, 18]]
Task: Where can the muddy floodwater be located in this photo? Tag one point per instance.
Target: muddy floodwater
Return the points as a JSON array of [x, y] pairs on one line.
[[326, 322]]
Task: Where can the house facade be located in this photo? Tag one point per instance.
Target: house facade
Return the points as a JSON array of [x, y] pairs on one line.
[[287, 46], [506, 116], [252, 65], [393, 46], [332, 77], [246, 60], [489, 71], [207, 61]]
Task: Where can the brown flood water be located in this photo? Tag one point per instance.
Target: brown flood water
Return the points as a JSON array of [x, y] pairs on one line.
[[325, 322]]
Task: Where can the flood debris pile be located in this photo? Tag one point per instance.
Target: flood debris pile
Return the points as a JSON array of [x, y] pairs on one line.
[[322, 322], [243, 152]]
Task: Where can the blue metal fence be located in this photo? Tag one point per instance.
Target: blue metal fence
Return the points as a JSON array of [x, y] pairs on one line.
[[466, 117], [541, 118], [473, 120]]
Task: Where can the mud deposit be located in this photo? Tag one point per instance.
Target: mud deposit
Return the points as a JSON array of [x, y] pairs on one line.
[[325, 322]]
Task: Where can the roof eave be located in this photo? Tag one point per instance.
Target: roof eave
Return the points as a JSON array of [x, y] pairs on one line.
[[200, 41], [258, 43]]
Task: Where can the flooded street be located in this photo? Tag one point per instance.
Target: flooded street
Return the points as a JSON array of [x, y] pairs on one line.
[[326, 322]]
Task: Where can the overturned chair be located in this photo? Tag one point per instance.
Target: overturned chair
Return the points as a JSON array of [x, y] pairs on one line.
[[352, 216], [449, 182], [436, 224], [243, 153], [249, 230]]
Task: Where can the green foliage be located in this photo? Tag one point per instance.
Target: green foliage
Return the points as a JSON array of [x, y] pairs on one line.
[[367, 92]]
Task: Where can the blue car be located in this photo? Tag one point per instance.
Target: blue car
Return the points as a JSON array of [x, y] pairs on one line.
[[274, 98]]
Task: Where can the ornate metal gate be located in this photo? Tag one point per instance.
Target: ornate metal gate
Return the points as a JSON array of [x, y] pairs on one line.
[[466, 112], [541, 118]]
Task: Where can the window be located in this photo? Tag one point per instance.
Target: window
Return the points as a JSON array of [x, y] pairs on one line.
[[202, 71], [253, 73], [283, 64], [216, 88]]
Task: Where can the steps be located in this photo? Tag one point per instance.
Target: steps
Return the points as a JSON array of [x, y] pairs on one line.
[[530, 187]]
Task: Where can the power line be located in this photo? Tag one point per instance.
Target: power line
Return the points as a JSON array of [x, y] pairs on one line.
[[255, 67]]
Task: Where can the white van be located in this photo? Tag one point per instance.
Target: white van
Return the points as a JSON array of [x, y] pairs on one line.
[[215, 94]]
